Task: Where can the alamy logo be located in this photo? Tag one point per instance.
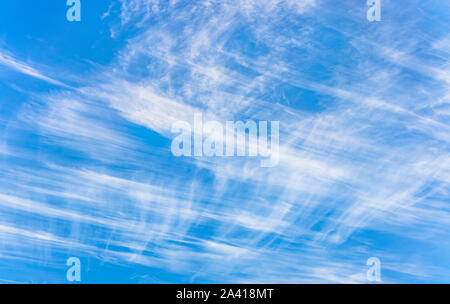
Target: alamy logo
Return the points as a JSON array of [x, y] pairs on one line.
[[74, 12], [212, 138], [74, 272], [374, 272], [374, 11]]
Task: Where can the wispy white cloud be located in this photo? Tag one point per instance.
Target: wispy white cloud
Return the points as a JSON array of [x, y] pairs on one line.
[[21, 67], [359, 152]]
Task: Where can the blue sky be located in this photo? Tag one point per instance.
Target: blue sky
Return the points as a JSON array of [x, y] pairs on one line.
[[87, 171]]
